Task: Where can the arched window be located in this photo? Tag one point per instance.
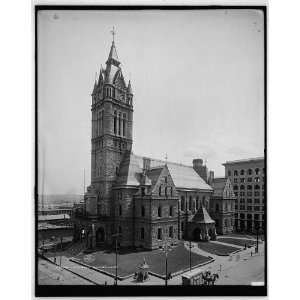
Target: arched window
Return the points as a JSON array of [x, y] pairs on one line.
[[166, 191], [197, 202], [203, 201], [190, 203], [171, 191], [142, 233], [159, 211], [249, 172], [235, 187], [115, 122], [143, 211], [159, 190], [235, 173], [256, 187], [257, 171], [124, 124], [171, 211], [217, 207], [249, 187], [242, 172], [229, 173], [120, 210]]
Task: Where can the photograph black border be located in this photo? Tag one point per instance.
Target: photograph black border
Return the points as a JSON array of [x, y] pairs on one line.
[[173, 290]]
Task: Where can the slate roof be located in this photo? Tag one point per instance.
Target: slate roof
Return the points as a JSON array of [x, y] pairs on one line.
[[202, 216], [184, 177]]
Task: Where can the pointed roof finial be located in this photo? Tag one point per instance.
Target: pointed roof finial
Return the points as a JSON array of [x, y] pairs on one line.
[[129, 88], [113, 32], [166, 158]]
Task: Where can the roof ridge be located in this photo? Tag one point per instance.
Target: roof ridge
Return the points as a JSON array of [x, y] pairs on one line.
[[162, 161]]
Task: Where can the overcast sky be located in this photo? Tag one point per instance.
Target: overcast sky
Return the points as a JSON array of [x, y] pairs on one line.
[[197, 78]]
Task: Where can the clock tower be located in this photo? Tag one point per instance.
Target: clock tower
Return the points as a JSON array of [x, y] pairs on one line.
[[112, 110]]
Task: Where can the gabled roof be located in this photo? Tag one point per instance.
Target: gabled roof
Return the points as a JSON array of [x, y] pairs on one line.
[[202, 216], [184, 177], [218, 184], [222, 188]]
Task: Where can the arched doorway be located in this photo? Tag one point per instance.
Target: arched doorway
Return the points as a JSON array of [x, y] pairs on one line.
[[196, 234], [100, 235]]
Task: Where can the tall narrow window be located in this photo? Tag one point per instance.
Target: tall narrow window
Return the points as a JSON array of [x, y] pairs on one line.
[[182, 203], [159, 234], [115, 122], [159, 190], [124, 124], [142, 233], [166, 191], [190, 203], [120, 210], [120, 124], [171, 231], [102, 122], [171, 211], [159, 211], [143, 211]]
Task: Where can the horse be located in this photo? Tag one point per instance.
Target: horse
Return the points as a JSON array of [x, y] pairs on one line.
[[209, 279]]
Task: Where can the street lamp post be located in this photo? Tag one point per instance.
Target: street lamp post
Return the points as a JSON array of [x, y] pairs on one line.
[[166, 248], [116, 235], [190, 247]]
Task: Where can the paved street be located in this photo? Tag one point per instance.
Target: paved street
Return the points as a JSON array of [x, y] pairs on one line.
[[238, 269]]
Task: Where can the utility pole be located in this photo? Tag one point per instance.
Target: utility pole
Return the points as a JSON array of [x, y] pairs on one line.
[[256, 250], [190, 255], [61, 239], [116, 235]]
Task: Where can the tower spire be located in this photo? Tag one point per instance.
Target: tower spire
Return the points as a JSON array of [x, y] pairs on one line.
[[113, 32]]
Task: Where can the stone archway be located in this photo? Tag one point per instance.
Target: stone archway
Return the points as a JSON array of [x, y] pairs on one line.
[[100, 236], [197, 234]]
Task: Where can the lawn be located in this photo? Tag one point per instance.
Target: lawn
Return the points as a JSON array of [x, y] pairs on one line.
[[178, 259], [236, 241], [217, 249]]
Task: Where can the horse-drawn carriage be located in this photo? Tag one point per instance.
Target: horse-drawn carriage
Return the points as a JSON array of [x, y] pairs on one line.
[[199, 277]]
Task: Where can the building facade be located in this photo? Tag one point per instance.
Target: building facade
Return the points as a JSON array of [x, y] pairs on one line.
[[143, 202], [248, 180], [222, 205]]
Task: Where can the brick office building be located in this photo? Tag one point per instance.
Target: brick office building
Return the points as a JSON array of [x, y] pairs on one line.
[[248, 179], [146, 201]]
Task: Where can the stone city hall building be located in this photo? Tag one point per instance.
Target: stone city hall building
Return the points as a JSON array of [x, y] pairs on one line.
[[145, 201]]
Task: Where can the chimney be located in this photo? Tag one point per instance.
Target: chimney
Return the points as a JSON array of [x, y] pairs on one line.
[[211, 177], [146, 163], [200, 169]]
